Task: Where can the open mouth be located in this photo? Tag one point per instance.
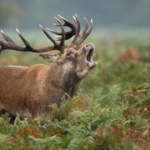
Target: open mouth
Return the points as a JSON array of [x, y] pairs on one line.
[[89, 55]]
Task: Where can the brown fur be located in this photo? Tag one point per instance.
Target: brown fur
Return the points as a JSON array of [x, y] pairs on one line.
[[30, 91]]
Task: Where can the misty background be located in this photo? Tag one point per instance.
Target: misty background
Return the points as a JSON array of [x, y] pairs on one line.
[[110, 15]]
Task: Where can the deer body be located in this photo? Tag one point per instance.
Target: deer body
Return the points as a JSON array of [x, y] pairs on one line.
[[30, 91], [34, 88]]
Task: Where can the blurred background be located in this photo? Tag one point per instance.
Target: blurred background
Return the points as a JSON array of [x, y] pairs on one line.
[[106, 13], [110, 17]]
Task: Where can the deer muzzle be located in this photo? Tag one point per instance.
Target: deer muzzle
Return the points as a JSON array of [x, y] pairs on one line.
[[89, 54]]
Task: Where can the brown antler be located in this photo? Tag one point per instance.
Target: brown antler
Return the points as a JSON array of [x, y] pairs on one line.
[[67, 23], [75, 30], [86, 31], [10, 44], [79, 37]]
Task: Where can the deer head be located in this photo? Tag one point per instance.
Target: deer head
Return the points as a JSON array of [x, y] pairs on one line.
[[73, 57]]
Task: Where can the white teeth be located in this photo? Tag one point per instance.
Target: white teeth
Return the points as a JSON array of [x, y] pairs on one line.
[[91, 64]]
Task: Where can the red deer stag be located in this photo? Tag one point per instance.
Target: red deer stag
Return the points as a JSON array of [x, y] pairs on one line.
[[30, 91]]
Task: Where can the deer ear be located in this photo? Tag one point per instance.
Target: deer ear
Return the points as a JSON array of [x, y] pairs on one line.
[[55, 58]]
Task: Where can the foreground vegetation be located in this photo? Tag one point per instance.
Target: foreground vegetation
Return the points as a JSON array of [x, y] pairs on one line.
[[110, 112]]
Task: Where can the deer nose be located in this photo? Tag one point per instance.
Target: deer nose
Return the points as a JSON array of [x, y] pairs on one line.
[[90, 46]]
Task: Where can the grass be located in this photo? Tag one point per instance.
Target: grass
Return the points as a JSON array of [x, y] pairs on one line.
[[111, 110]]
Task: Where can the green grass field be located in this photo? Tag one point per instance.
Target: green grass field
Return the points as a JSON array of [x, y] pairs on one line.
[[111, 110]]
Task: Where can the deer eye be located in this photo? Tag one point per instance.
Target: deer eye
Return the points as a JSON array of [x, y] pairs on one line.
[[69, 53]]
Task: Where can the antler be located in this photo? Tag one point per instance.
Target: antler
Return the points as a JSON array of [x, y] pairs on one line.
[[75, 30], [67, 23], [79, 37], [10, 44], [86, 31]]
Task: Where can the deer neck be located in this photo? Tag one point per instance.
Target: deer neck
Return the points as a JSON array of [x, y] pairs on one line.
[[68, 79], [65, 80]]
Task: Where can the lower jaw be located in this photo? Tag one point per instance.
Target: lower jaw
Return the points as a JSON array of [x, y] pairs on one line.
[[91, 64]]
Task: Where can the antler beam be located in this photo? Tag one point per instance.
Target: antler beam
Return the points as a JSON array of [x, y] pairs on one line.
[[75, 30], [79, 37]]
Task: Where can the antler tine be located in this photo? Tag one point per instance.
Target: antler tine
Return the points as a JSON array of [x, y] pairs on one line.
[[90, 29], [78, 28], [68, 34], [48, 36], [61, 44], [67, 23], [86, 31], [50, 30], [6, 37], [9, 44], [24, 40]]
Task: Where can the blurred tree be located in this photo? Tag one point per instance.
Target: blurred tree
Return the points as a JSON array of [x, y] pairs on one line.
[[7, 10]]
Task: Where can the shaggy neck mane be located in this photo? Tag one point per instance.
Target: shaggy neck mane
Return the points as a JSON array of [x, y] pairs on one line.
[[66, 81]]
